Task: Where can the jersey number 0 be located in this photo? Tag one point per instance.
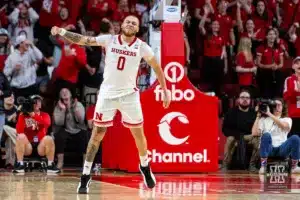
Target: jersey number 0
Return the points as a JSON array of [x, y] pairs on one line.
[[121, 63]]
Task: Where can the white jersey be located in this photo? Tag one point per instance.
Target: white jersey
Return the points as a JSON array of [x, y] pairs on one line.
[[122, 62]]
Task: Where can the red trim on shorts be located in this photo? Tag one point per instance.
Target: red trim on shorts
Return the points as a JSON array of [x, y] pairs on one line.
[[103, 124], [129, 125]]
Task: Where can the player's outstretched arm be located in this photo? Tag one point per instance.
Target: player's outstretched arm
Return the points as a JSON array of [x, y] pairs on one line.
[[74, 37]]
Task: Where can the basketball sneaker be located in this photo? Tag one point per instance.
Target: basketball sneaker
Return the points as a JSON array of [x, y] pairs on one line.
[[84, 185], [148, 176], [19, 168], [53, 169]]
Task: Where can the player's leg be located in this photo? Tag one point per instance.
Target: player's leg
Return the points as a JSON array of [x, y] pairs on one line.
[[23, 148], [103, 118], [47, 148], [132, 118]]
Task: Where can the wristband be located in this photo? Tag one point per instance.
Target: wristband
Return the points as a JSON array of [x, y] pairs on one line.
[[62, 32]]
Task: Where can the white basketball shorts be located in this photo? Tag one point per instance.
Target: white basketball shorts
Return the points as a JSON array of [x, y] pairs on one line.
[[128, 105]]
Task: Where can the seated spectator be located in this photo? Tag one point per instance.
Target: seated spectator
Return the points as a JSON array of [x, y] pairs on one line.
[[245, 63], [273, 127], [11, 115], [20, 67], [69, 125], [32, 128], [237, 124], [22, 21]]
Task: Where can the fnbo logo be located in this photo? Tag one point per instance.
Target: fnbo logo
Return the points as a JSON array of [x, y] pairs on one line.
[[174, 93]]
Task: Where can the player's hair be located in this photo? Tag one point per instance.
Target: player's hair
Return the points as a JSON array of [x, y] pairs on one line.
[[132, 16]]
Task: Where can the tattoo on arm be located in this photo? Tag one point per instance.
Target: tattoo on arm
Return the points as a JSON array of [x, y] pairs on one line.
[[92, 149], [73, 37]]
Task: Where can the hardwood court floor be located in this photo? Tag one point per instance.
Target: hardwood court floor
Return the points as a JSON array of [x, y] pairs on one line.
[[116, 185]]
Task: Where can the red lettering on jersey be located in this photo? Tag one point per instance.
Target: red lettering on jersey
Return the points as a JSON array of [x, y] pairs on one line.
[[123, 52], [99, 116]]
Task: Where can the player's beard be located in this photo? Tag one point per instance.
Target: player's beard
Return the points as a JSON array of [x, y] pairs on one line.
[[129, 34]]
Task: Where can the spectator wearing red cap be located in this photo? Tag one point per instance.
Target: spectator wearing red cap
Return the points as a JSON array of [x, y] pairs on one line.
[[291, 95], [270, 61], [214, 54]]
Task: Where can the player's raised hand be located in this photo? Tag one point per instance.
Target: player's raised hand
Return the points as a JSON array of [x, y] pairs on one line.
[[55, 30]]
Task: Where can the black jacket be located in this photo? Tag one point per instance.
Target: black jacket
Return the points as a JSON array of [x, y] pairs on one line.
[[4, 87], [237, 122]]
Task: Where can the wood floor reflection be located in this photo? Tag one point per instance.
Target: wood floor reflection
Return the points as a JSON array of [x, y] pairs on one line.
[[114, 186]]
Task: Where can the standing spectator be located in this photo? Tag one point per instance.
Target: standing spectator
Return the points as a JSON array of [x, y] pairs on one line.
[[245, 63], [294, 37], [72, 60], [32, 137], [4, 47], [69, 126], [270, 61], [214, 54], [3, 16], [22, 21], [238, 123], [20, 67], [291, 95], [290, 15]]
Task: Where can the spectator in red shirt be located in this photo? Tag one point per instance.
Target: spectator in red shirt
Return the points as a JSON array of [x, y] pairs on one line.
[[270, 61], [3, 16], [294, 37], [282, 44], [244, 63], [290, 14], [214, 54], [73, 59], [32, 128], [291, 95]]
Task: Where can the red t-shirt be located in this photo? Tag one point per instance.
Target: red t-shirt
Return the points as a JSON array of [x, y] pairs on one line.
[[244, 78], [262, 25], [289, 10], [290, 95], [269, 55], [90, 112], [33, 126], [69, 66], [226, 24], [2, 61], [213, 46]]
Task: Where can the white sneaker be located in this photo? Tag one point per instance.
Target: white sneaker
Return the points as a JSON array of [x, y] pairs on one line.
[[296, 170], [262, 170]]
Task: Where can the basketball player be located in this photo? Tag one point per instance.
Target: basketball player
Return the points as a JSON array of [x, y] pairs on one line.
[[118, 91]]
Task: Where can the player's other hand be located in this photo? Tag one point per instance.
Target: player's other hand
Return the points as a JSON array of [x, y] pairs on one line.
[[55, 30], [166, 100]]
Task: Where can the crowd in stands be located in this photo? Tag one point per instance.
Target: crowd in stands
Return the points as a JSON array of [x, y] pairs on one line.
[[230, 45]]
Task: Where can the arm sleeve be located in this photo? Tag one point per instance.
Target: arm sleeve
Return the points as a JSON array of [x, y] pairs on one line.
[[43, 120], [14, 16], [146, 51], [102, 40], [289, 121], [289, 92], [8, 68], [36, 54], [33, 16]]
